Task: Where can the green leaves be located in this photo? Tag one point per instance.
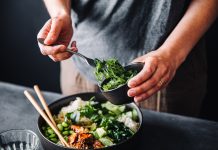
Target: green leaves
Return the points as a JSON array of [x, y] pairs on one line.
[[114, 72], [100, 119]]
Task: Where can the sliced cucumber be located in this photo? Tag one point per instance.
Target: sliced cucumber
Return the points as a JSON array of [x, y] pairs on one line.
[[114, 108], [134, 114], [93, 127], [122, 108], [95, 134], [101, 132], [106, 141]]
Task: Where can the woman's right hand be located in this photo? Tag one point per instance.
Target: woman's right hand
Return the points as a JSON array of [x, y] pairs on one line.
[[57, 33]]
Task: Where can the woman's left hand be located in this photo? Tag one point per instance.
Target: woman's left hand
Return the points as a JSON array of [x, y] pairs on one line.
[[158, 71]]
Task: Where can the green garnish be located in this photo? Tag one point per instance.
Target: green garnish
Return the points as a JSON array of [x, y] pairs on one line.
[[114, 72]]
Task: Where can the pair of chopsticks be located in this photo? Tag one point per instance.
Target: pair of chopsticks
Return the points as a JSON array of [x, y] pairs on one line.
[[47, 117]]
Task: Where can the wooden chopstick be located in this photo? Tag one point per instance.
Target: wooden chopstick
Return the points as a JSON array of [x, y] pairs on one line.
[[41, 112], [41, 98], [45, 106]]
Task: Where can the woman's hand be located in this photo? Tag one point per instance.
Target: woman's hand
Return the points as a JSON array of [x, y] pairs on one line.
[[158, 71], [57, 33]]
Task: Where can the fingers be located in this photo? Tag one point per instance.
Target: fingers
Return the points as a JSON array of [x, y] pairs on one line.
[[161, 83], [158, 71], [60, 56], [52, 50], [146, 95], [57, 36], [45, 30], [147, 71], [44, 33], [150, 83], [56, 53], [164, 81], [56, 25], [167, 78]]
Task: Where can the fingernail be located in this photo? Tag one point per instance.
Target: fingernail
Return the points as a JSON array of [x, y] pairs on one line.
[[132, 93], [132, 84], [50, 40], [54, 60], [47, 42]]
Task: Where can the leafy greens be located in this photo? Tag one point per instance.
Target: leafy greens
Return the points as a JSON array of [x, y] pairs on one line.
[[113, 72], [105, 116]]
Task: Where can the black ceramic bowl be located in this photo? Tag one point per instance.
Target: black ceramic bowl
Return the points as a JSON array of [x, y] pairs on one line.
[[55, 107], [119, 95]]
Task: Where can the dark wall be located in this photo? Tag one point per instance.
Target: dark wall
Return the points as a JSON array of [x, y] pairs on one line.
[[22, 63], [20, 58]]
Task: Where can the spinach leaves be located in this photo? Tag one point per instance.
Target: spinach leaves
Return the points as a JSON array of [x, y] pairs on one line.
[[113, 72]]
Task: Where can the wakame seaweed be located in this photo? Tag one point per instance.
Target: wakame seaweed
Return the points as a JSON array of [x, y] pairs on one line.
[[113, 72]]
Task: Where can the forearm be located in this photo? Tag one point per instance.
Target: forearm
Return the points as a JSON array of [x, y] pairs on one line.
[[197, 19], [58, 7]]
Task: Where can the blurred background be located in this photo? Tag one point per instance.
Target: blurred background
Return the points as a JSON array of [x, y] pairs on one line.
[[22, 63], [20, 60]]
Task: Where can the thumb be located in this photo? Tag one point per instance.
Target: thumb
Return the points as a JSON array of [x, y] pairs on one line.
[[54, 32], [73, 46], [45, 30], [139, 59]]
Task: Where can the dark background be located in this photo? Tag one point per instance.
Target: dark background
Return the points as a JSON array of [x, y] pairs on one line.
[[21, 62], [20, 59]]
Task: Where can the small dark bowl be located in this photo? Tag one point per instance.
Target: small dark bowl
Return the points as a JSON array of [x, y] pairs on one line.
[[55, 107], [119, 95]]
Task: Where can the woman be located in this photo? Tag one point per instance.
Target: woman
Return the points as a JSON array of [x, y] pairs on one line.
[[165, 35]]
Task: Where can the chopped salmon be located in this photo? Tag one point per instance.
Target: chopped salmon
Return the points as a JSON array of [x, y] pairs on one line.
[[78, 129], [80, 139], [73, 138], [86, 138], [98, 144]]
